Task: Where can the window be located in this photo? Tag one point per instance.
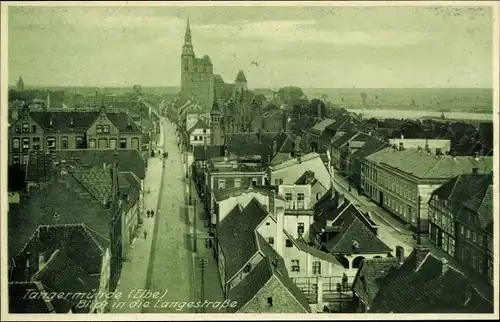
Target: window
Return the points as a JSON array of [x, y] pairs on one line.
[[33, 129], [15, 159], [92, 143], [318, 196], [467, 233], [26, 128], [461, 230], [480, 240], [25, 159], [112, 144], [270, 240], [237, 183], [480, 267], [247, 268], [64, 142], [123, 143], [99, 129], [79, 142], [222, 184], [17, 129], [204, 130], [300, 228], [317, 268], [51, 143], [26, 143], [36, 143], [300, 196], [15, 144], [288, 196], [295, 265], [474, 236], [288, 243], [270, 301], [474, 262], [105, 128], [254, 182], [277, 181]]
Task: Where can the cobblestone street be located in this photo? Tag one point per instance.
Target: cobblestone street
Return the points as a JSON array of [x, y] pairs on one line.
[[134, 270], [170, 266]]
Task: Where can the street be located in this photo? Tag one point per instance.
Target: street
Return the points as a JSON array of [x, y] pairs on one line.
[[170, 264]]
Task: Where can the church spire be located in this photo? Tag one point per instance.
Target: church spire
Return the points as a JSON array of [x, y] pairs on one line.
[[187, 36], [187, 49]]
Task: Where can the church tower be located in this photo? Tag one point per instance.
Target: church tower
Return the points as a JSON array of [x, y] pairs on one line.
[[215, 123], [187, 60], [197, 79]]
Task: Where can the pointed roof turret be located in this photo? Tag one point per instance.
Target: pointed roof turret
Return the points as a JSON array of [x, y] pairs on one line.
[[187, 49], [187, 36], [215, 106], [241, 77]]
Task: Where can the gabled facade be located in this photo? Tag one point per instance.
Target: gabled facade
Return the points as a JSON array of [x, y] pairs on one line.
[[64, 130], [474, 234], [444, 206]]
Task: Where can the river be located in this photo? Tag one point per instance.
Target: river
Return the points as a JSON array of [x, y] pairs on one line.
[[415, 114]]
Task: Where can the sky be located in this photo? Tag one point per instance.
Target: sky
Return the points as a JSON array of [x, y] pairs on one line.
[[309, 47]]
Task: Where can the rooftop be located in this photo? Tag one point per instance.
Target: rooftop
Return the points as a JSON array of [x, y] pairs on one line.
[[224, 194], [427, 166], [422, 284], [237, 236]]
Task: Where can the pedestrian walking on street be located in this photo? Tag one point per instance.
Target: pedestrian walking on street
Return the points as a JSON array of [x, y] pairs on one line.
[[145, 234], [148, 213], [152, 213]]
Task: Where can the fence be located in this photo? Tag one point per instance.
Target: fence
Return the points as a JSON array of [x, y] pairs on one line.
[[337, 295]]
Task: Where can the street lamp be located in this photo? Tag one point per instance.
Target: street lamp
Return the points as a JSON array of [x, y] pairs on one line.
[[203, 264]]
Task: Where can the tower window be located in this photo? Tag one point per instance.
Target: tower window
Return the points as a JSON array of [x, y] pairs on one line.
[[270, 301]]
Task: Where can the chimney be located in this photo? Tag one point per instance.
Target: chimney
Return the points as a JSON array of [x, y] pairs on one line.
[[476, 156], [15, 114], [104, 165], [272, 202], [285, 122], [275, 147], [402, 137], [41, 261], [401, 146], [341, 200], [319, 293], [421, 253], [48, 99], [400, 254], [444, 266], [426, 148], [205, 143]]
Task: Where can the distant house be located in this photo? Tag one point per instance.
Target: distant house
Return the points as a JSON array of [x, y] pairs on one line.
[[402, 180], [70, 259], [313, 135], [37, 130], [198, 133], [421, 283]]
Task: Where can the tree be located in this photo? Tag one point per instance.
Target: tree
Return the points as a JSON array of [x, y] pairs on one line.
[[290, 94]]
